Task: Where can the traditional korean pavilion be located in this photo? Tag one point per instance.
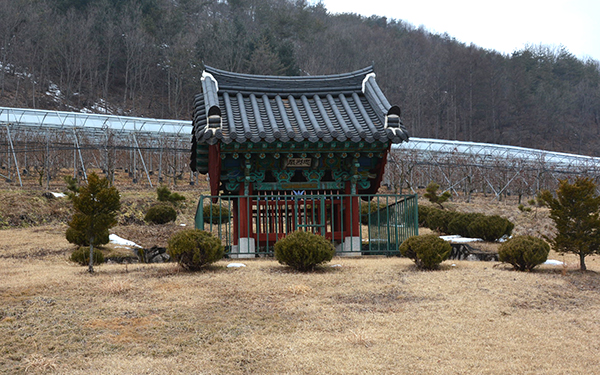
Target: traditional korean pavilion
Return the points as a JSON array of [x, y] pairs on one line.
[[263, 139]]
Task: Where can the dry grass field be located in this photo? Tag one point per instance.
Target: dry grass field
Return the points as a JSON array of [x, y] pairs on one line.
[[369, 315]]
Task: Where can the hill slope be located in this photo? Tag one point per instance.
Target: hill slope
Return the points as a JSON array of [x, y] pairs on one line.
[[145, 57]]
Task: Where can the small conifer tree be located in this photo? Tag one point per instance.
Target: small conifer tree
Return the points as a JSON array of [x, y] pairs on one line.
[[165, 195], [96, 205], [433, 196], [72, 185], [576, 215]]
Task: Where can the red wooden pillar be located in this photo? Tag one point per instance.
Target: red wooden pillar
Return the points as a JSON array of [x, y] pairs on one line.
[[244, 236], [351, 214], [214, 170], [236, 222], [337, 216], [244, 211]]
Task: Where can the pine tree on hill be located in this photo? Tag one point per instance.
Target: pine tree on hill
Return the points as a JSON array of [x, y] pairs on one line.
[[576, 215], [96, 206]]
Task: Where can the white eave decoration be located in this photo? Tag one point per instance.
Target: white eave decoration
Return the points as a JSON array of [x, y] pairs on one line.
[[206, 75], [364, 82], [395, 122]]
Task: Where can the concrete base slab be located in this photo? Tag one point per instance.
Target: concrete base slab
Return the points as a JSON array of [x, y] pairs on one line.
[[245, 248], [351, 247]]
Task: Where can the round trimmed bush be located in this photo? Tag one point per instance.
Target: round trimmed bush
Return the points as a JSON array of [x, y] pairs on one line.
[[82, 256], [216, 214], [460, 223], [423, 212], [490, 228], [509, 227], [426, 251], [194, 248], [524, 252], [438, 220], [160, 214], [303, 251]]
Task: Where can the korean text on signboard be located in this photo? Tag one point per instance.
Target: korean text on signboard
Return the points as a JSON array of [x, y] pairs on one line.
[[298, 163]]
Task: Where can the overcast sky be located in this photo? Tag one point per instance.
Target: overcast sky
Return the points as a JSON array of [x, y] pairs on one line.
[[505, 26]]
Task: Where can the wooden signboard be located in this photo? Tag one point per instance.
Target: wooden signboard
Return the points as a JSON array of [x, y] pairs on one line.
[[298, 163]]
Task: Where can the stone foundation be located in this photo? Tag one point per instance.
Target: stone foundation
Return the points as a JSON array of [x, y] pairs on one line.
[[351, 247], [245, 248]]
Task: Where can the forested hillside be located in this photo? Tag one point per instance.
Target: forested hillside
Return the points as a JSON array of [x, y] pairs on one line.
[[145, 57]]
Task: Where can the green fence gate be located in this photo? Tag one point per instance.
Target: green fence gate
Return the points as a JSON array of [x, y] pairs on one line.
[[385, 220]]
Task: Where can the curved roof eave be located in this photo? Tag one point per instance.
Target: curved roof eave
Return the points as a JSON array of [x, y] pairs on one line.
[[351, 81]]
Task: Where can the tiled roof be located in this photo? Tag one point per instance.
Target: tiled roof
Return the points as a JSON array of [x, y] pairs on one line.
[[241, 108]]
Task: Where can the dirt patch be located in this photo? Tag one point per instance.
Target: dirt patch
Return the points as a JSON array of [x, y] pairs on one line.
[[37, 253], [20, 208], [585, 281], [376, 301], [125, 329], [551, 300]]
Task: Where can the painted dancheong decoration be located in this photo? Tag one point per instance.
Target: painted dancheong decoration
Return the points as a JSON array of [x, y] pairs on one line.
[[278, 136]]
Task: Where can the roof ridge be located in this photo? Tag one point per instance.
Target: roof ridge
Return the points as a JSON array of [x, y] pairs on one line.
[[356, 73], [238, 82]]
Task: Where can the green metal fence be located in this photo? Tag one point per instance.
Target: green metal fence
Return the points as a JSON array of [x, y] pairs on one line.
[[357, 224]]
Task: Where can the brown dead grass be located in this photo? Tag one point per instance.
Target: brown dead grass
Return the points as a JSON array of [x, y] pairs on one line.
[[372, 315], [122, 181], [27, 208]]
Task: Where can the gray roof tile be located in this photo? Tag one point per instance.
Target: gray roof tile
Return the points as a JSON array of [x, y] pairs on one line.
[[255, 108]]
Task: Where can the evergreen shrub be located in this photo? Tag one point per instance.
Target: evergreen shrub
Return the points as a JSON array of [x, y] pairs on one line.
[[522, 208], [524, 252], [490, 228], [176, 197], [423, 212], [82, 256], [460, 222], [216, 214], [575, 211], [509, 227], [164, 195], [194, 248], [72, 184], [160, 214], [438, 220], [95, 208], [427, 251], [433, 196], [303, 251]]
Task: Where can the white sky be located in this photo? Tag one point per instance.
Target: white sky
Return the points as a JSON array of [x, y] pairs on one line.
[[505, 26]]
